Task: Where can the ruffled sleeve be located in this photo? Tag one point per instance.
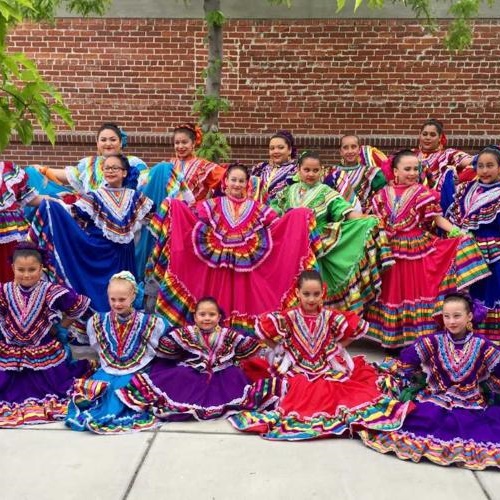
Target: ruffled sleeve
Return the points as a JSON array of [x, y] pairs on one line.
[[72, 304], [347, 325], [246, 346], [168, 347], [271, 327]]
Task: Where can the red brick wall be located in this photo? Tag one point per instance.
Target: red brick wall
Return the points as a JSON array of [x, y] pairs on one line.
[[315, 77]]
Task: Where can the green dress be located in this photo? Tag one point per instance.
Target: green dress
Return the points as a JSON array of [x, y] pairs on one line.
[[353, 252]]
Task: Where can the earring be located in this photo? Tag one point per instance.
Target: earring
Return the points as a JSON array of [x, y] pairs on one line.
[[469, 326]]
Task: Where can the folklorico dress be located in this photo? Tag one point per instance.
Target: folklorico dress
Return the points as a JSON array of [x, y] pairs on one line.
[[453, 421], [125, 346], [353, 252], [36, 371], [237, 250], [440, 171], [476, 209], [269, 179], [366, 178], [98, 241], [328, 393], [426, 268], [196, 376], [14, 195]]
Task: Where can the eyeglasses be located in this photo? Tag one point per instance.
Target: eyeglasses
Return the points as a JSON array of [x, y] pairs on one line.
[[112, 169]]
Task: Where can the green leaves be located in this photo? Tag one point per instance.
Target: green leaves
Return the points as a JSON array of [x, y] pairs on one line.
[[26, 99], [214, 147]]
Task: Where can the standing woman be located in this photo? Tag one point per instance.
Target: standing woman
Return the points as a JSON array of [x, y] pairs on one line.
[[476, 209], [427, 267], [273, 175], [88, 174], [361, 165]]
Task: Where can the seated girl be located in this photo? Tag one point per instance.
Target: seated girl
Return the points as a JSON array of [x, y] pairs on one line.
[[36, 371], [328, 393], [232, 247], [455, 420], [197, 375], [125, 341], [354, 250], [92, 239]]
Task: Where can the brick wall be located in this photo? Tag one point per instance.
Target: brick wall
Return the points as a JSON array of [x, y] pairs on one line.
[[379, 78]]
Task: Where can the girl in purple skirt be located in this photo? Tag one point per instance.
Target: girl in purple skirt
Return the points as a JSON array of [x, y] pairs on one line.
[[36, 371], [456, 420], [197, 375]]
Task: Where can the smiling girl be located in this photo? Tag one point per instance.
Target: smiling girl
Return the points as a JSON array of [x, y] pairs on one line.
[[94, 238], [354, 250], [426, 266], [476, 209]]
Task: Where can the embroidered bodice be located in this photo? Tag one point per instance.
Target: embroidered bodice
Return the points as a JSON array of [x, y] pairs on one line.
[[310, 345], [453, 369], [273, 178], [408, 212], [26, 319], [207, 351], [233, 233], [124, 345], [117, 212]]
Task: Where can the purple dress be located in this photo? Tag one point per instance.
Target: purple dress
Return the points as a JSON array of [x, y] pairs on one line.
[[203, 381], [453, 420], [36, 372]]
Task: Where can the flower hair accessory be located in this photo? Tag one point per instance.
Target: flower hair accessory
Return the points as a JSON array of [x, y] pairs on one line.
[[195, 131], [127, 276]]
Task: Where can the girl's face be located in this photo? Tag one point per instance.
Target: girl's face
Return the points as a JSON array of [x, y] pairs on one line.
[[108, 143], [236, 183], [429, 139], [121, 297], [310, 171], [207, 316], [279, 151], [27, 271], [310, 295], [183, 145], [488, 170], [407, 171], [350, 150], [456, 317], [114, 173]]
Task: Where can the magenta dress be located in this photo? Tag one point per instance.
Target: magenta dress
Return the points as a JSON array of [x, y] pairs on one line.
[[236, 250]]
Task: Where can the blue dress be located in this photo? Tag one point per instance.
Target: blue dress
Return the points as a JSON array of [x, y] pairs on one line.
[[125, 346], [92, 239], [476, 209]]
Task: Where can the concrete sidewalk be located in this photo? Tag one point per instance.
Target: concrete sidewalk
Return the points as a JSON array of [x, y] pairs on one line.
[[210, 460]]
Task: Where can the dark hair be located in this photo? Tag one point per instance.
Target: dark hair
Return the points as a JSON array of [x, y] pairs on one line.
[[493, 150], [349, 135], [110, 126], [308, 154], [208, 300], [287, 136], [400, 155], [123, 160], [459, 297], [187, 128], [435, 123], [27, 249], [237, 166], [309, 275]]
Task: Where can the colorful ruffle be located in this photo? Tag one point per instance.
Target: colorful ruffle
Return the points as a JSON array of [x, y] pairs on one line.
[[408, 446], [32, 411], [15, 357]]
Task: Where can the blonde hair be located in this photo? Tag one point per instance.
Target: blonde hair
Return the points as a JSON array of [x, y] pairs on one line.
[[126, 276]]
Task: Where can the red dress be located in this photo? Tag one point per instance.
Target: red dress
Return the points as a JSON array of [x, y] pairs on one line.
[[328, 393], [426, 268]]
